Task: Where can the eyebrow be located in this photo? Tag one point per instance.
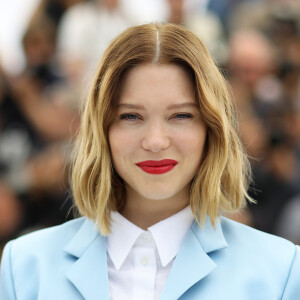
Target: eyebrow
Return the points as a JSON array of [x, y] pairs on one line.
[[131, 106], [173, 106], [183, 105]]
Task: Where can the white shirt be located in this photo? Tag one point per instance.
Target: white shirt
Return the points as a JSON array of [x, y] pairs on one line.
[[140, 261]]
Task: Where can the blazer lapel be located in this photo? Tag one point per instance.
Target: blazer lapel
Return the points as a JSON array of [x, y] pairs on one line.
[[89, 272], [193, 263]]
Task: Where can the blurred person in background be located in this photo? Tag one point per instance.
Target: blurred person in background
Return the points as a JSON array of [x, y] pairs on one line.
[[36, 88], [292, 125], [252, 64], [84, 33], [36, 125], [204, 23], [224, 9], [263, 69], [53, 10], [11, 213], [289, 222], [12, 150], [276, 183]]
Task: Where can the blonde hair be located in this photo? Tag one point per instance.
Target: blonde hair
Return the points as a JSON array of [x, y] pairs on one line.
[[222, 180]]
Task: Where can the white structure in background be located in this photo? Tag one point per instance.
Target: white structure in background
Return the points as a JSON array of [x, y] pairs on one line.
[[14, 17]]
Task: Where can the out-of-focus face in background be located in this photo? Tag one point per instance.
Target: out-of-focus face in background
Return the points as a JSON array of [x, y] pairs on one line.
[[39, 43], [250, 56], [110, 4]]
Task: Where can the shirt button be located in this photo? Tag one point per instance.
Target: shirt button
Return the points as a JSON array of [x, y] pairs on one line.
[[144, 260]]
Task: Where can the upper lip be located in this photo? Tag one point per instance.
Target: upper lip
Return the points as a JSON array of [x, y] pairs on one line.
[[157, 163]]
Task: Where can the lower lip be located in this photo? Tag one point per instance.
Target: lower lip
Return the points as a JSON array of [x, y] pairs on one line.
[[157, 170]]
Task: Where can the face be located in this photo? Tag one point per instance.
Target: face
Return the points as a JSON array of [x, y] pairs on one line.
[[158, 135]]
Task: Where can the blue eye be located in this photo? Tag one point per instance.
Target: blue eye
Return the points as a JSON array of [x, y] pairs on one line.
[[182, 116], [129, 117]]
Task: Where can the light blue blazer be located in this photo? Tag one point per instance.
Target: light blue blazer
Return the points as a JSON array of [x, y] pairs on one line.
[[69, 262]]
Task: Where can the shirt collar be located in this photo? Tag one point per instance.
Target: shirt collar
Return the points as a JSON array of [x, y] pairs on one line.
[[168, 235], [122, 237]]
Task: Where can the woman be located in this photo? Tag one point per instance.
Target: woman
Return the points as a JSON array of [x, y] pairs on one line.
[[158, 160]]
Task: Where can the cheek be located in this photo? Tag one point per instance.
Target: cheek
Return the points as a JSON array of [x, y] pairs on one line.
[[192, 143], [121, 142], [123, 146]]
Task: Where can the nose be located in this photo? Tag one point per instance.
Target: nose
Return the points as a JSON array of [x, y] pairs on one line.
[[155, 138]]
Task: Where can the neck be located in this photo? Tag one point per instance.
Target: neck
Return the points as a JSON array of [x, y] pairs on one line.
[[145, 212]]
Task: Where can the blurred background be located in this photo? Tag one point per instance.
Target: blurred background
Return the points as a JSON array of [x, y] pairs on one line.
[[49, 50]]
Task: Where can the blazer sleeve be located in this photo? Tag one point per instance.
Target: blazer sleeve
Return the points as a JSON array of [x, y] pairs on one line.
[[292, 288], [7, 290]]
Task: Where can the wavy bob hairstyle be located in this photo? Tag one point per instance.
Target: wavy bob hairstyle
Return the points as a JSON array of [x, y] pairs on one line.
[[221, 182]]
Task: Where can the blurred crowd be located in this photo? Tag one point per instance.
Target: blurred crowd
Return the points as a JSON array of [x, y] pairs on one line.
[[256, 44]]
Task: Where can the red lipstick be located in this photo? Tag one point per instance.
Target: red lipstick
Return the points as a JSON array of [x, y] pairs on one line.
[[157, 166]]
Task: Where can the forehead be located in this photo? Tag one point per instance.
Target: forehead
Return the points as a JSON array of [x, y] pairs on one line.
[[156, 81], [159, 70]]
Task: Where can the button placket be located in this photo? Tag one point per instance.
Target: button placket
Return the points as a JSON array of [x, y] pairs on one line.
[[145, 272]]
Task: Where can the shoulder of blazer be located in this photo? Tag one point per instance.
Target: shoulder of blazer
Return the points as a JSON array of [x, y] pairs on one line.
[[237, 233], [38, 242], [274, 257], [46, 255], [252, 243]]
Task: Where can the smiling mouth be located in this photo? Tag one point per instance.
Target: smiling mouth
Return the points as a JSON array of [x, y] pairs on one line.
[[157, 166]]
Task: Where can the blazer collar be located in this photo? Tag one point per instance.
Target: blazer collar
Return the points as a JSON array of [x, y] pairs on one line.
[[89, 272], [193, 262], [210, 238]]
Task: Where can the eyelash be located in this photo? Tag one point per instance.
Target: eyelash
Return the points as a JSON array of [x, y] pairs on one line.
[[129, 117], [134, 117], [183, 116]]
